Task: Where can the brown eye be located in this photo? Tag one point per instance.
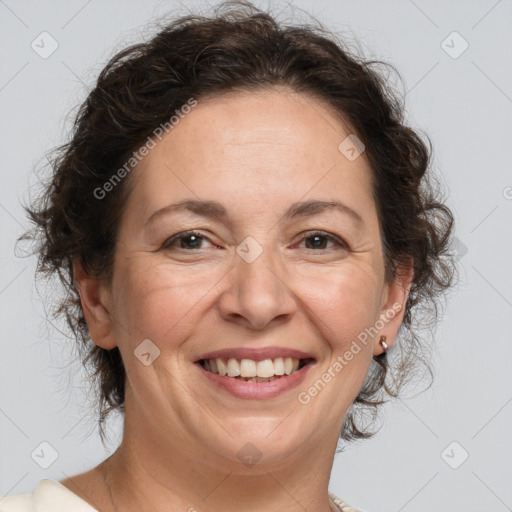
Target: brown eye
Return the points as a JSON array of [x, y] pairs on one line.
[[318, 241], [189, 240]]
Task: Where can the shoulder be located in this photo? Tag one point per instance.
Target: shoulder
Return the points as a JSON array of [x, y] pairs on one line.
[[17, 503], [48, 496], [343, 506]]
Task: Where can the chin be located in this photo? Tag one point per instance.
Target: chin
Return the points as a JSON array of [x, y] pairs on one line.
[[258, 444]]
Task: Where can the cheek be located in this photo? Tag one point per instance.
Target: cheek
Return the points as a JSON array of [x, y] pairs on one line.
[[345, 305], [346, 302], [155, 302]]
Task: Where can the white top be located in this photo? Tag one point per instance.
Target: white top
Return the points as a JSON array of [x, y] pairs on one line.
[[52, 496], [48, 496]]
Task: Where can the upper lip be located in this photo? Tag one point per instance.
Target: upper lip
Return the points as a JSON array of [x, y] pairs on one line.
[[256, 354]]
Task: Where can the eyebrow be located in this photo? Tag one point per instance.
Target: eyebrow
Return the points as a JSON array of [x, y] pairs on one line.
[[213, 209]]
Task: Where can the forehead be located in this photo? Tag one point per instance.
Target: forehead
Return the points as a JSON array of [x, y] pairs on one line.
[[254, 147], [275, 121]]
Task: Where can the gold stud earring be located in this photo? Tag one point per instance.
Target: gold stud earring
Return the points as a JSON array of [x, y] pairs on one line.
[[382, 341]]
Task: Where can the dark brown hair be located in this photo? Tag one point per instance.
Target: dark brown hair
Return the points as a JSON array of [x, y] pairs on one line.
[[240, 47]]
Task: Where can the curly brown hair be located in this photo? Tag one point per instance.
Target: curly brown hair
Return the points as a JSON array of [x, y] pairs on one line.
[[240, 47]]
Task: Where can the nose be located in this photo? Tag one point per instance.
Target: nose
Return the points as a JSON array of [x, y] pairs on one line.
[[257, 294]]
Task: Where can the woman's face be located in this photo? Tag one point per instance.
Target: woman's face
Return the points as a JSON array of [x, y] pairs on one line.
[[270, 272]]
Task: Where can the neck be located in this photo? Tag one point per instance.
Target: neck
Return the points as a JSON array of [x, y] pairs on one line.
[[156, 474]]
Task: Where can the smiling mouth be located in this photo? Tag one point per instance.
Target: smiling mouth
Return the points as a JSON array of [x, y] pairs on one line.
[[249, 370]]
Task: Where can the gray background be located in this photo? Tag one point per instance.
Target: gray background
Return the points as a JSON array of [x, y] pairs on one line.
[[464, 104]]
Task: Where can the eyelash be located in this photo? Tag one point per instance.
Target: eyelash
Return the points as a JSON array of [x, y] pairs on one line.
[[310, 234]]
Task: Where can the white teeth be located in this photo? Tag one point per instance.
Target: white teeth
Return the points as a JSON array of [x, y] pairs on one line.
[[265, 368], [252, 370], [223, 370], [248, 368], [278, 366], [233, 368], [261, 379]]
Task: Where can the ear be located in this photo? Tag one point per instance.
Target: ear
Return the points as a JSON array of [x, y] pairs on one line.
[[393, 309], [95, 299]]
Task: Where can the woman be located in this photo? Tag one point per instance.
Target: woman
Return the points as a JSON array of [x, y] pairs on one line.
[[245, 226]]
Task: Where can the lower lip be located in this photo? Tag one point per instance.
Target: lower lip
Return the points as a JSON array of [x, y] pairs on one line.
[[256, 390]]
